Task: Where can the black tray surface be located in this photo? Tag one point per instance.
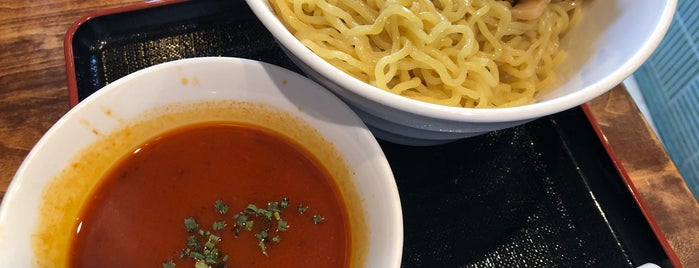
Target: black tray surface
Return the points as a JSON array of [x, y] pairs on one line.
[[544, 194]]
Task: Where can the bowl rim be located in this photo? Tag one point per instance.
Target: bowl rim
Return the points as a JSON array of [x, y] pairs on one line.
[[265, 14]]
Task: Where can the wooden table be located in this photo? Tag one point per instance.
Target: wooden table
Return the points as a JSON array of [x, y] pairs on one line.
[[33, 95]]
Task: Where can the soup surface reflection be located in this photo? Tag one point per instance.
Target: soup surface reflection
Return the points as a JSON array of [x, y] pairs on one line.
[[134, 218]]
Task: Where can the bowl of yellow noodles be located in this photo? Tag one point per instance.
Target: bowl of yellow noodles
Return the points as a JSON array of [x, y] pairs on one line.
[[428, 72]]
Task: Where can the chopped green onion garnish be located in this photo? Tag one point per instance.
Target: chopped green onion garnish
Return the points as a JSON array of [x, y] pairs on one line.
[[240, 220], [190, 224], [202, 246], [213, 239], [282, 226], [277, 216], [169, 264], [197, 255], [193, 243], [218, 225], [284, 203], [249, 225], [201, 264], [185, 252], [252, 209], [203, 232], [221, 207], [262, 235], [273, 206], [301, 208], [264, 213], [212, 256], [317, 219], [262, 246]]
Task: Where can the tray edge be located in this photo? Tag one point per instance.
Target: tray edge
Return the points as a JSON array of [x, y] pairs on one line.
[[71, 78], [674, 259], [74, 99]]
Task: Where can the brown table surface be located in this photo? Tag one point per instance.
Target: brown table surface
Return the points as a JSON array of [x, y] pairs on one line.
[[34, 95]]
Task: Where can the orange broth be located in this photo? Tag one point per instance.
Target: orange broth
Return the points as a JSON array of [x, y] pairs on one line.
[[134, 217]]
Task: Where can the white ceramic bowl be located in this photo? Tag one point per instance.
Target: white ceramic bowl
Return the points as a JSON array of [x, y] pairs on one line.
[[183, 88], [611, 41]]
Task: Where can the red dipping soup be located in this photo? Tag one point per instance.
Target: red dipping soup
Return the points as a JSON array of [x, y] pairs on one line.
[[134, 217]]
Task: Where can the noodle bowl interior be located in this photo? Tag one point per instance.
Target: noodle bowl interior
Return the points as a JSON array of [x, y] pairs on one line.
[[463, 53]]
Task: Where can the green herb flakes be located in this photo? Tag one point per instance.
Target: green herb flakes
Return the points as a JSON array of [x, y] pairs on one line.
[[262, 223], [241, 222], [213, 239], [263, 248], [218, 225], [190, 224], [284, 203], [197, 255], [203, 232], [301, 208], [317, 219], [249, 225], [168, 264], [252, 209], [273, 206], [201, 264], [193, 243], [221, 207], [262, 235], [282, 226], [277, 216]]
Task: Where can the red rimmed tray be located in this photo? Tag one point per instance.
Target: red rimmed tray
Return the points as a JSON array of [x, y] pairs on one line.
[[548, 193]]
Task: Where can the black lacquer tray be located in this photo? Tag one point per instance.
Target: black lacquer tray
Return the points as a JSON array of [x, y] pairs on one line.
[[544, 194]]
